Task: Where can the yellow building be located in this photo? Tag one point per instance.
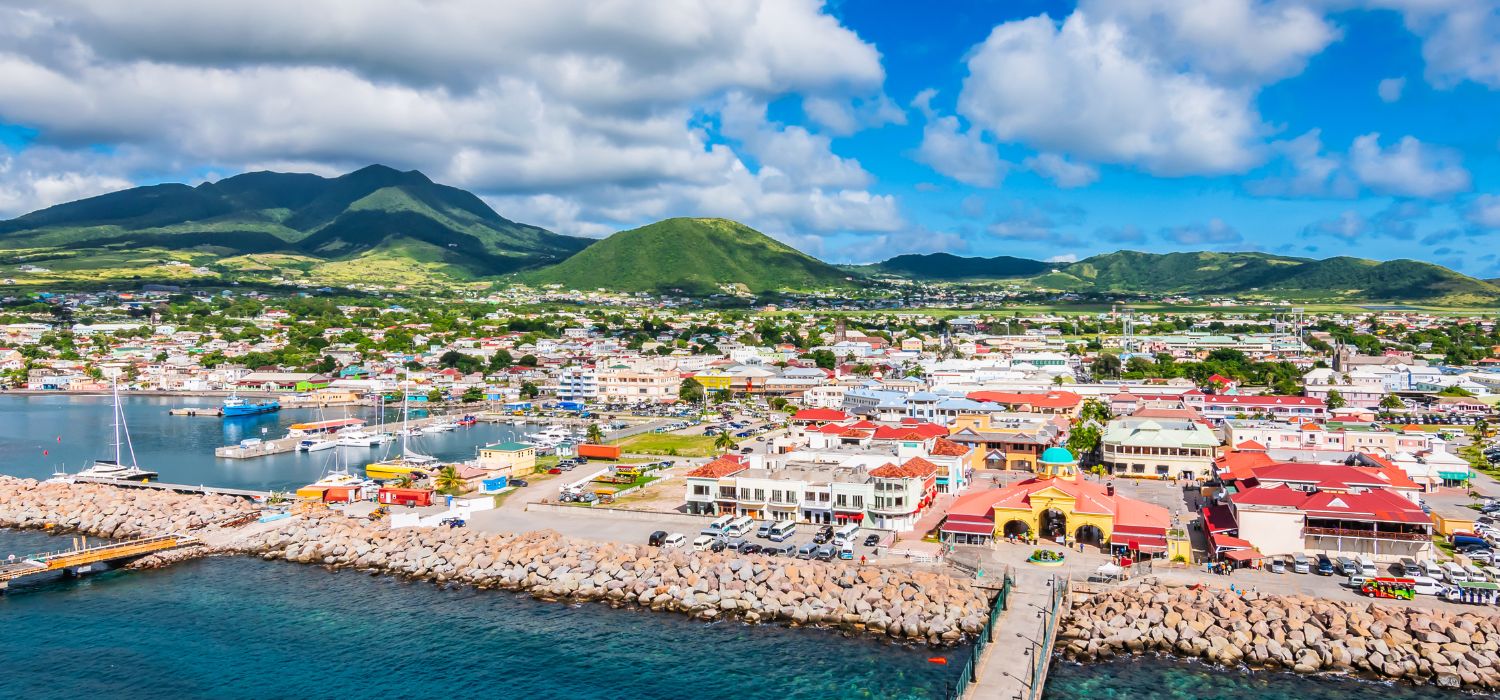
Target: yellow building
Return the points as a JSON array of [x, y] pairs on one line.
[[508, 459], [1059, 504], [715, 380]]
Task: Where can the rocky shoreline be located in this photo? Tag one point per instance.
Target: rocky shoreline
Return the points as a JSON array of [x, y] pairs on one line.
[[908, 605], [1294, 633]]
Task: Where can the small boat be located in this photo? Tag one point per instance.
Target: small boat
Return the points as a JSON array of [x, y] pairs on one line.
[[411, 464], [323, 426], [439, 427], [316, 445], [357, 438], [468, 421], [235, 407]]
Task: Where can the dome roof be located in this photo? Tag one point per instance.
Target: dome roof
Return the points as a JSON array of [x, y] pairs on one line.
[[1058, 455]]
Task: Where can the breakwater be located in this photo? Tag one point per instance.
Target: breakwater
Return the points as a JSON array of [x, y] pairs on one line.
[[898, 603], [1296, 633]]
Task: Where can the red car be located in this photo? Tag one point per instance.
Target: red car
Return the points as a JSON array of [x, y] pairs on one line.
[[554, 470]]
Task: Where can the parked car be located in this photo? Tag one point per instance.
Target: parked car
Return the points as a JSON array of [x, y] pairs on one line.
[[736, 543], [807, 551], [718, 546], [824, 553], [872, 541], [749, 548], [824, 534], [675, 539], [1325, 565], [846, 552], [519, 483], [656, 538], [1300, 563], [764, 531], [702, 542], [1278, 565], [1424, 585]]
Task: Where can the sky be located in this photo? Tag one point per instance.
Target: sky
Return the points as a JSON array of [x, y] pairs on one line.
[[854, 130]]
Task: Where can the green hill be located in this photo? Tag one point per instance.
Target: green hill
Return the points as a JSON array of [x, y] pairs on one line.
[[373, 209], [692, 255], [945, 266]]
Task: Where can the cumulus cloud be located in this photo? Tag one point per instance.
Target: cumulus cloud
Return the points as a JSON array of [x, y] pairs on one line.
[[1460, 38], [41, 177], [1390, 89], [844, 117], [1409, 168], [1484, 211], [1029, 221], [1064, 258], [1091, 88], [1215, 233], [593, 112], [1399, 220], [960, 153], [1061, 171]]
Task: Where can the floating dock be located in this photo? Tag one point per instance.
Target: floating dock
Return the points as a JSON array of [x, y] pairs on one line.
[[207, 411], [289, 444]]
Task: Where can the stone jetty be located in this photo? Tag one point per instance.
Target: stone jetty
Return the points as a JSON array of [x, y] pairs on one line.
[[1383, 640], [902, 604]]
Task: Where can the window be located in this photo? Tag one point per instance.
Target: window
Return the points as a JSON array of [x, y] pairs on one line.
[[700, 490]]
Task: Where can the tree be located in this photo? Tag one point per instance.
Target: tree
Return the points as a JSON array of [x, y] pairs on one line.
[[724, 442], [1083, 441], [1057, 380], [527, 360], [690, 391], [404, 481], [1094, 410], [500, 360], [1391, 401], [1455, 391], [473, 393], [529, 390], [1335, 400], [595, 434], [448, 480], [824, 359], [435, 395], [1106, 365]]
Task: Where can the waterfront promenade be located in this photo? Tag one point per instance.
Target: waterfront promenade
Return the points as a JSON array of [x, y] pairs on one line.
[[1014, 665]]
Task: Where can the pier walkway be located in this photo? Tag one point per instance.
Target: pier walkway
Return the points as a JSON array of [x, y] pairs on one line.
[[1013, 666], [82, 558], [179, 488], [289, 444]]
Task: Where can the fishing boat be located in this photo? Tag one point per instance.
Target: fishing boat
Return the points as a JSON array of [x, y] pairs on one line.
[[118, 468], [468, 420], [235, 407]]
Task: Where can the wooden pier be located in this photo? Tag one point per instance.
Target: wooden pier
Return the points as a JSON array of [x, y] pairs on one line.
[[82, 558], [198, 411], [179, 488]]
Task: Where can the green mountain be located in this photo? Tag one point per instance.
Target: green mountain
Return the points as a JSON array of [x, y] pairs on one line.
[[365, 212], [945, 266], [692, 255]]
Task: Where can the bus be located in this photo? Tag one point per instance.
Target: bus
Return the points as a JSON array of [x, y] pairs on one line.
[[1398, 588], [740, 527], [783, 530], [717, 526], [845, 534]]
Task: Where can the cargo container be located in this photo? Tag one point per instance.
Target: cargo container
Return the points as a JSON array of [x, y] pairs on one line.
[[599, 451]]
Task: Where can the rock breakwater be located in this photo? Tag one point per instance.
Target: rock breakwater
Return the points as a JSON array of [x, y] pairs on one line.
[[1296, 633], [902, 604]]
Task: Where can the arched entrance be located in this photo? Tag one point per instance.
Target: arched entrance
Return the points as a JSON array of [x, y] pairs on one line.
[[1017, 528], [1054, 523], [1089, 534]]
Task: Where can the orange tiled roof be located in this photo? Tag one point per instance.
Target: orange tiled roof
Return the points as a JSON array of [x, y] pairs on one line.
[[717, 469], [915, 467]]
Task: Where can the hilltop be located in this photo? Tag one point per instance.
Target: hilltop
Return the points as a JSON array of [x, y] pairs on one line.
[[691, 255], [946, 266], [365, 213]]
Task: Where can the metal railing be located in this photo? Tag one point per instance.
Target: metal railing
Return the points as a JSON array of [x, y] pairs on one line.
[[970, 672], [1042, 655]]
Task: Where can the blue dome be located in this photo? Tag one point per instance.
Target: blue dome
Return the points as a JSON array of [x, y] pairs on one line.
[[1058, 455]]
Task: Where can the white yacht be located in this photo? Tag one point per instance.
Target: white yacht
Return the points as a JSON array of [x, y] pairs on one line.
[[118, 468], [316, 445], [357, 438]]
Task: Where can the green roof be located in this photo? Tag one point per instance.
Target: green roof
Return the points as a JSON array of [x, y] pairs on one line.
[[510, 447], [1057, 455]]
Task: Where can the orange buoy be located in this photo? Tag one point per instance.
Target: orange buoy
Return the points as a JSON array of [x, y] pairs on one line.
[[936, 660]]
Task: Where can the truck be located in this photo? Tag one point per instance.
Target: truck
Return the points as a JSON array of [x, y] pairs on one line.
[[592, 451]]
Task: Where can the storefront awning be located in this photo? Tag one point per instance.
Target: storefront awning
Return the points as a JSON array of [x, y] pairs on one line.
[[1243, 555], [969, 528], [1455, 476]]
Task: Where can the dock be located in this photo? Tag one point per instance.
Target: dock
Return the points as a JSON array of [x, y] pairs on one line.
[[208, 412], [289, 444], [1014, 653], [179, 488], [82, 559]]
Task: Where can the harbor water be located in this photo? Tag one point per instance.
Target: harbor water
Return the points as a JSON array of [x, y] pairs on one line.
[[1157, 678], [42, 434]]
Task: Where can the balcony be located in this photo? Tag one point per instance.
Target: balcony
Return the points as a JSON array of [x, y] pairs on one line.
[[1365, 534]]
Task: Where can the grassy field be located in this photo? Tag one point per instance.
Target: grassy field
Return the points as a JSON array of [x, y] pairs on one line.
[[667, 444]]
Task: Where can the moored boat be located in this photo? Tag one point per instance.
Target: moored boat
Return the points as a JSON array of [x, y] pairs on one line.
[[235, 407]]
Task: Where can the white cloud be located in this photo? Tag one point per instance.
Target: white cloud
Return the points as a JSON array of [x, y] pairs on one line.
[[1390, 89], [1251, 41], [591, 112], [843, 117], [1064, 258], [39, 178], [1090, 89], [1305, 170], [1484, 211], [1410, 168], [1460, 38], [1215, 232], [1057, 169], [960, 153]]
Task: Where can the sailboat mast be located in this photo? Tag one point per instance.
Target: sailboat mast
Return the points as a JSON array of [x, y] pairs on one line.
[[405, 414], [115, 387]]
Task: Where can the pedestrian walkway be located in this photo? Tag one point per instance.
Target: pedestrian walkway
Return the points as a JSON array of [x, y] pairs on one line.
[[929, 522], [1015, 665]]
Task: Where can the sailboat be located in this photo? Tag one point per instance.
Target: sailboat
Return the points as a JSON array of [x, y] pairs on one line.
[[409, 463], [117, 468]]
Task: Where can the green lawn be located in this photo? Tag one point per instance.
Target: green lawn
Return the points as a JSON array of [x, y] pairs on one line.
[[668, 444]]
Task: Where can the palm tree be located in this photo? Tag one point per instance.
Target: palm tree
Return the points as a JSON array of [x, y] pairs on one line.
[[449, 481], [595, 434], [724, 442], [404, 481]]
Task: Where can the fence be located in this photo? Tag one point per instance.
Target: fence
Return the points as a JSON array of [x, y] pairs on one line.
[[971, 666], [1042, 655]]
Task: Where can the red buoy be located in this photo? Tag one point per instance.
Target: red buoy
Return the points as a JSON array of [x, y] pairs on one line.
[[936, 660]]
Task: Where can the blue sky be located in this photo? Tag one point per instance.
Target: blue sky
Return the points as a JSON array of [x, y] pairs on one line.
[[855, 130]]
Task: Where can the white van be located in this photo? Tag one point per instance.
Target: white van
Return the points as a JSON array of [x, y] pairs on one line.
[[1426, 585], [1300, 563], [1277, 565], [1366, 566], [739, 527], [1430, 569], [783, 530], [1454, 573], [703, 542], [675, 539], [717, 526], [1474, 573], [845, 535]]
